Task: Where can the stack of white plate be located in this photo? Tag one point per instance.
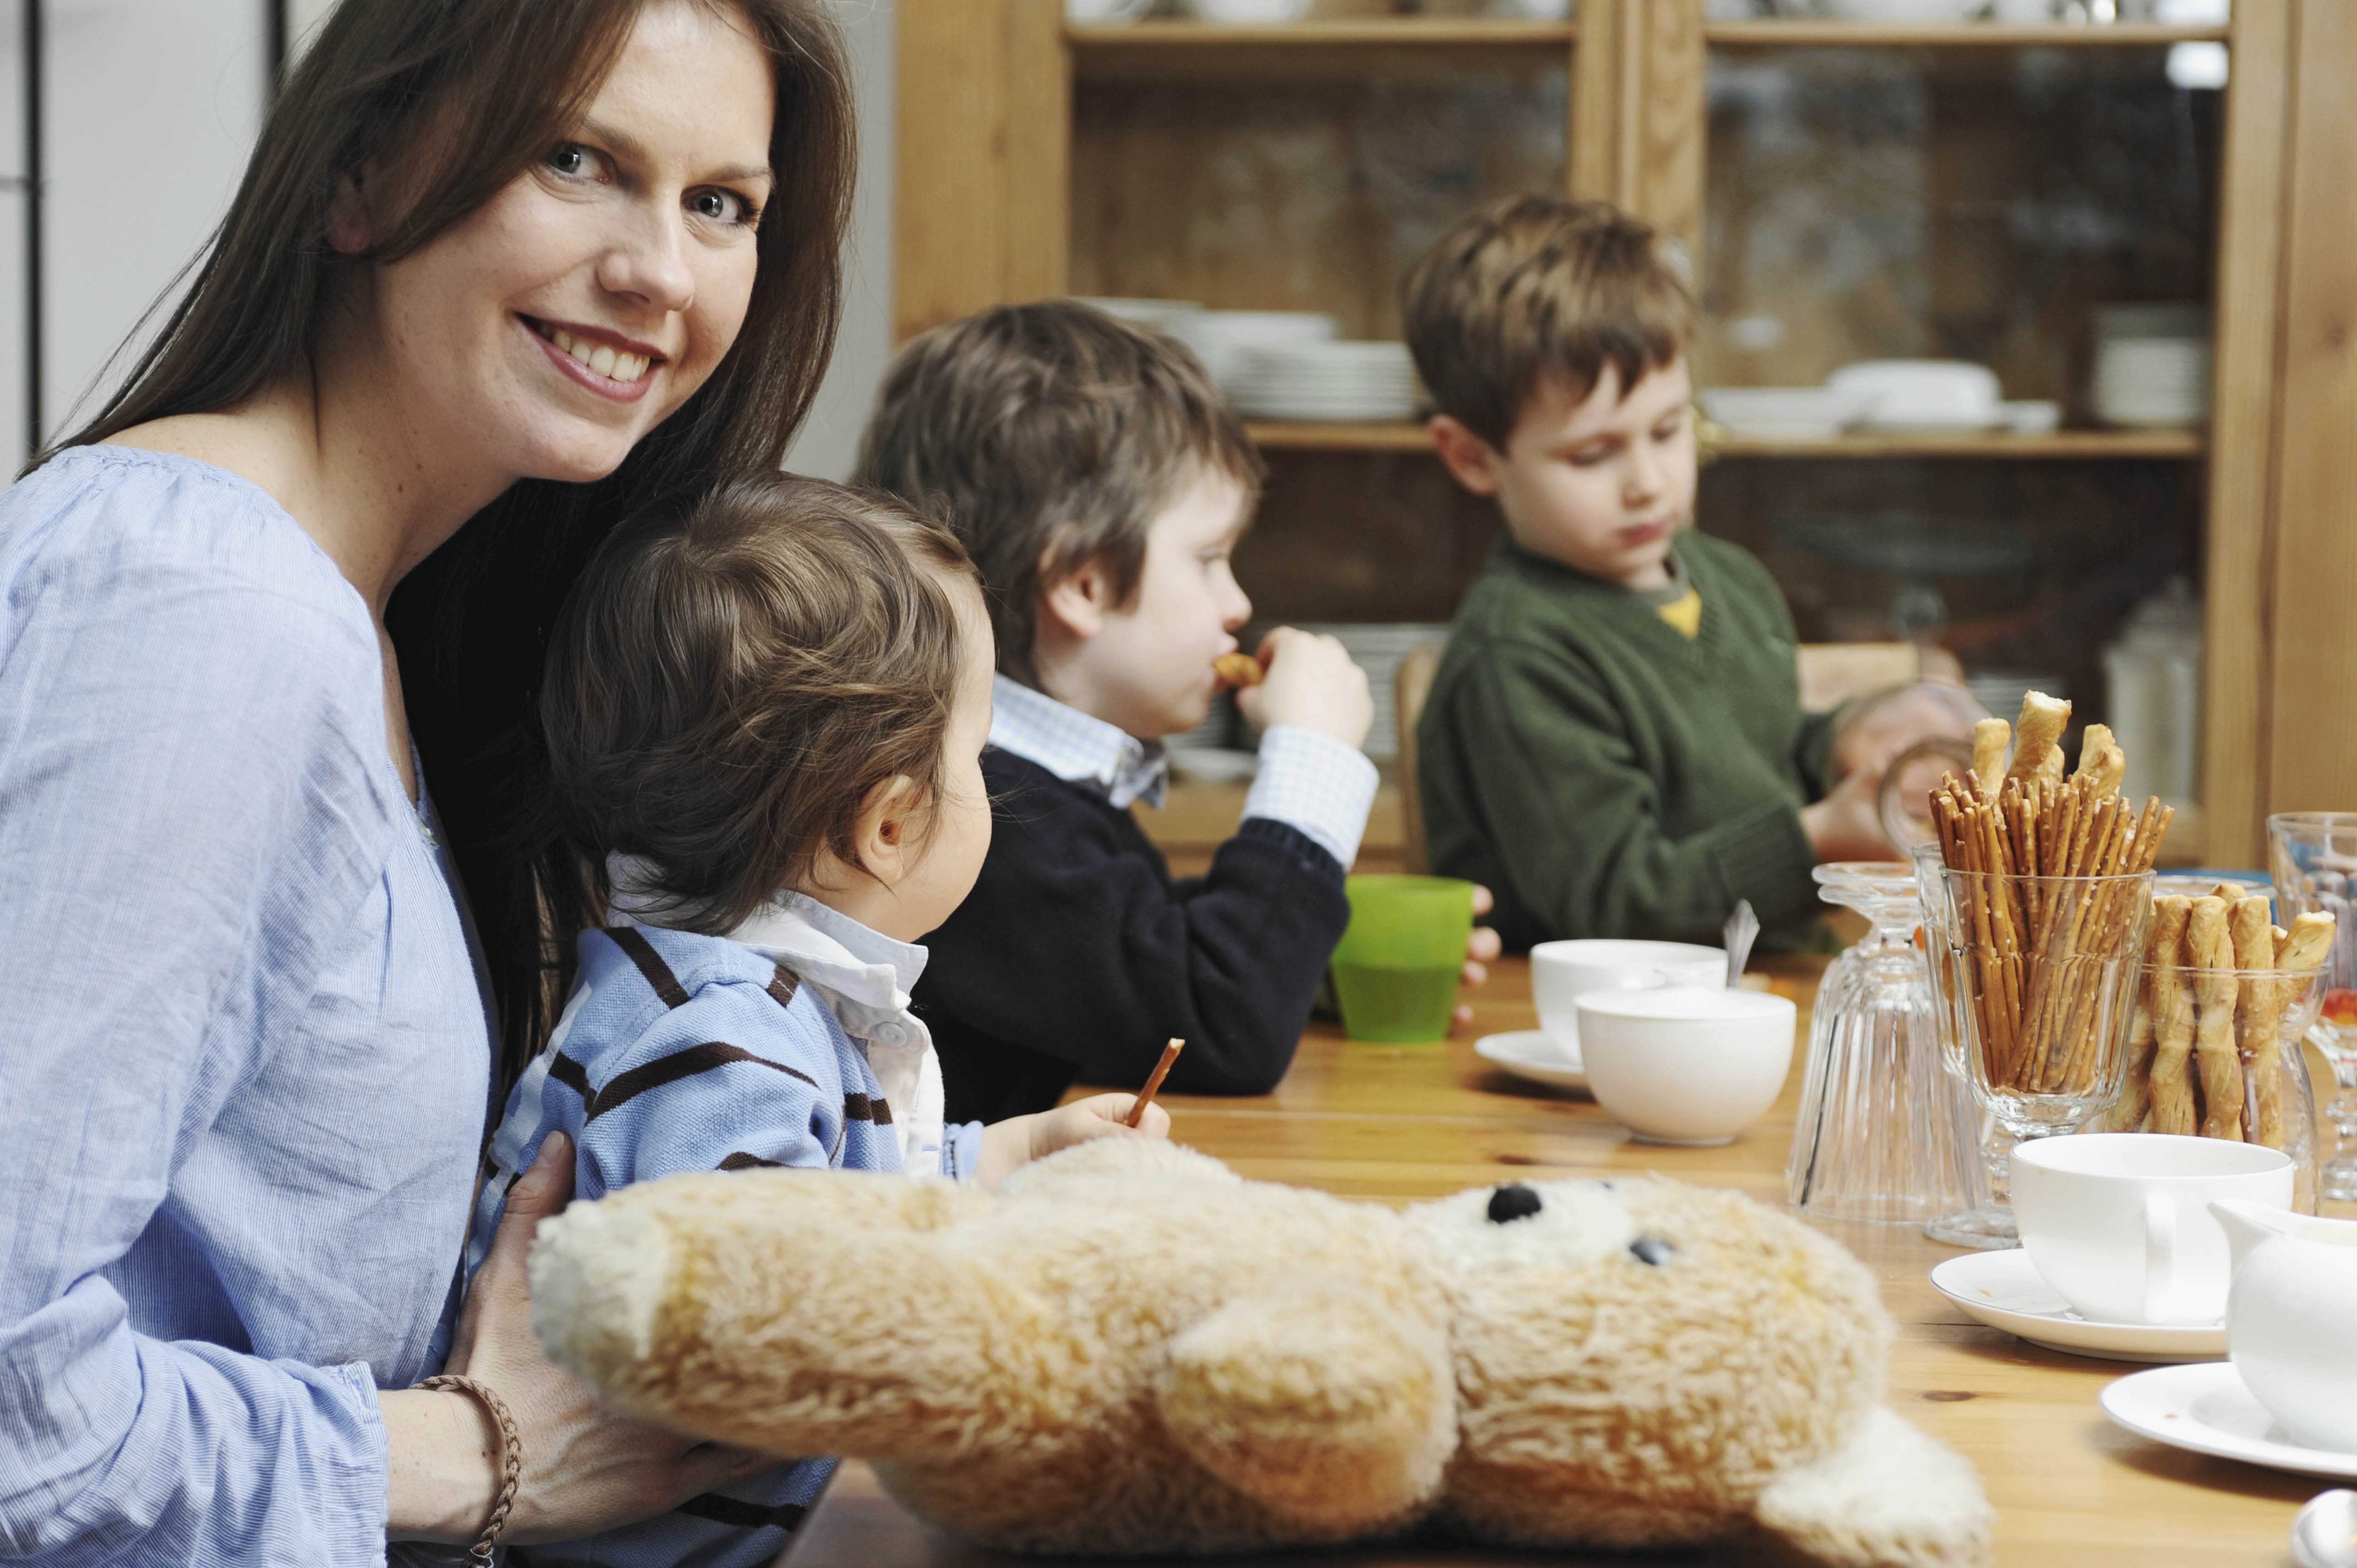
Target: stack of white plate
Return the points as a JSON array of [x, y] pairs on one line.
[[1324, 381], [1220, 338], [1154, 315], [2152, 365], [1377, 648]]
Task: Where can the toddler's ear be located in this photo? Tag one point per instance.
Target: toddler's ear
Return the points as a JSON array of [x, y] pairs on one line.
[[891, 834], [1473, 461], [1073, 603]]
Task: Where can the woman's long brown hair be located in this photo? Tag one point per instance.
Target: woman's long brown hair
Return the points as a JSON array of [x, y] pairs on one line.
[[462, 96]]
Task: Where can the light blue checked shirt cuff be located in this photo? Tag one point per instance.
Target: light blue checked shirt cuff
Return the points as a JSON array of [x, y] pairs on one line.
[[1313, 782]]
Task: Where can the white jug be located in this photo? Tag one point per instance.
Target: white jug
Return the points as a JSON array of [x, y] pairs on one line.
[[2291, 1318]]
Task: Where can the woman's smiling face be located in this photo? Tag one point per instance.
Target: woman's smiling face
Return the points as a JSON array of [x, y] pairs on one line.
[[578, 307]]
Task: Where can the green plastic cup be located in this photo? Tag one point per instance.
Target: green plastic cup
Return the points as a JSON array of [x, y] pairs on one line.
[[1397, 968]]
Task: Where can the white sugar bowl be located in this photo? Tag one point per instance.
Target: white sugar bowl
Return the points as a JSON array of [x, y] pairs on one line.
[[1686, 1064]]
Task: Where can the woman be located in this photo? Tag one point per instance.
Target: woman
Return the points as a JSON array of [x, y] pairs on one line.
[[498, 269]]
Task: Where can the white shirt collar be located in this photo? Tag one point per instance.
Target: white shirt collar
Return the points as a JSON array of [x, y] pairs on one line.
[[1076, 746], [866, 974]]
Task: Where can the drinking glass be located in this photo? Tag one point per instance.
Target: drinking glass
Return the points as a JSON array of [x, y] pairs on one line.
[[1397, 965], [2314, 857], [2037, 981], [1885, 1132]]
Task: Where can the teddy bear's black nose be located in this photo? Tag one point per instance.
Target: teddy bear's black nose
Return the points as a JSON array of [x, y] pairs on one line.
[[1648, 1248], [1512, 1201]]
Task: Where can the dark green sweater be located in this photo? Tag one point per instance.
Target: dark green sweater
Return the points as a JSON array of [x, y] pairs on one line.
[[1605, 774]]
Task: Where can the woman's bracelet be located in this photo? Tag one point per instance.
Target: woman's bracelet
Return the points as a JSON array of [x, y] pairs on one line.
[[510, 1463]]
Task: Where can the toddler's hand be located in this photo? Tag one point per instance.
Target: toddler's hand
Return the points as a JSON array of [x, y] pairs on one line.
[[1019, 1140], [1311, 681], [1098, 1116], [1846, 824]]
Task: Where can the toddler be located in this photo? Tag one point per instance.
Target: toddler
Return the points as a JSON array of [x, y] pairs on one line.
[[765, 708]]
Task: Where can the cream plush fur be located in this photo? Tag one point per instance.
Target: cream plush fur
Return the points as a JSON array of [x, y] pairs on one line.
[[1131, 1350]]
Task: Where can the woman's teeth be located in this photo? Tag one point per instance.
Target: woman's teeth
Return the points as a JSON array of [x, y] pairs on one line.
[[600, 358]]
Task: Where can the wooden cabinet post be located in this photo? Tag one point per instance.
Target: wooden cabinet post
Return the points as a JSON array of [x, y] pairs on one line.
[[983, 159], [2310, 701]]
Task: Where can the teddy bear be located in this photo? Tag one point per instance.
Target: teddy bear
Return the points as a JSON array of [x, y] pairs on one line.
[[1130, 1348]]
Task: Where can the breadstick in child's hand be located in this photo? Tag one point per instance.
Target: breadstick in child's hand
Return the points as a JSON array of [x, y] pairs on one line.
[[2172, 1019], [1161, 1070], [2256, 1011], [2042, 721], [1239, 669], [2211, 948], [1990, 738]]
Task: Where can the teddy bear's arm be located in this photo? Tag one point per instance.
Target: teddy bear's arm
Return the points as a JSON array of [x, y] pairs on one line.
[[1323, 1404], [1890, 1497]]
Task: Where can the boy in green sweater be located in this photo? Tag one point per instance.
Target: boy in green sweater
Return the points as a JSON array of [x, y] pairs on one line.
[[1614, 742]]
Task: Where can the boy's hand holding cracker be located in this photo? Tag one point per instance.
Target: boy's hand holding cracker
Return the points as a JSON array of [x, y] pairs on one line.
[[1309, 681]]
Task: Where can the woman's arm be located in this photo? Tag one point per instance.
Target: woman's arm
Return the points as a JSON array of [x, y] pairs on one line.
[[584, 1471]]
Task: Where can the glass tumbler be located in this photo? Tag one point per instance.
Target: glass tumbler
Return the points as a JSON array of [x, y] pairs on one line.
[[2314, 857], [2039, 977], [1885, 1132]]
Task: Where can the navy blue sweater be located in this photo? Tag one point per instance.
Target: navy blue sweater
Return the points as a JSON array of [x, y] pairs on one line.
[[1077, 955]]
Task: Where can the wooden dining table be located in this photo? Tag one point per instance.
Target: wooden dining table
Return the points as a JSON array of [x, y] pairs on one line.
[[1400, 1123]]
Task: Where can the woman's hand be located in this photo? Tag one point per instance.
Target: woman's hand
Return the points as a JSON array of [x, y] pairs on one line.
[[1481, 950], [1019, 1140], [584, 1470]]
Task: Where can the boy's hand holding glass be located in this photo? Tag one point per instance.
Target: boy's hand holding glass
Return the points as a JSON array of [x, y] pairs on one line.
[[1311, 681], [1889, 721]]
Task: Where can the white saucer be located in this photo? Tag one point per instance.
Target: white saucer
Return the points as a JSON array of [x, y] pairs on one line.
[[1531, 1054], [2208, 1410], [2004, 1291]]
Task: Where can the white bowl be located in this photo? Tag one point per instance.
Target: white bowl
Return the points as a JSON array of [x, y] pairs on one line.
[[1562, 972], [1260, 11], [1689, 1064]]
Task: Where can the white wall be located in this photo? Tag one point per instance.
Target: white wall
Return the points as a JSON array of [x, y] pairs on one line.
[[12, 244], [830, 441], [150, 108]]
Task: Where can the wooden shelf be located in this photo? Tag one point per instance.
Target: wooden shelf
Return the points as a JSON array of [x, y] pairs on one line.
[[1291, 436], [1963, 34], [1385, 31], [2063, 444]]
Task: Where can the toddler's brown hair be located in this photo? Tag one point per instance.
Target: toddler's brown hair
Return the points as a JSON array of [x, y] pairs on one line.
[[735, 673], [1538, 288], [1049, 436]]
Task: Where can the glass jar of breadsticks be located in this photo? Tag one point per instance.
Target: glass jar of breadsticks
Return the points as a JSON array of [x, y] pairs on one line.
[[2214, 1048], [2038, 917]]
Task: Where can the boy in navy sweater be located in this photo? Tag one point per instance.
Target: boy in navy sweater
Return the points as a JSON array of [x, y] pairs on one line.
[[1100, 483]]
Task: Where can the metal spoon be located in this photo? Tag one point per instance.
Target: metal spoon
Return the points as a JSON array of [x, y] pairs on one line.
[[1742, 926], [2325, 1533]]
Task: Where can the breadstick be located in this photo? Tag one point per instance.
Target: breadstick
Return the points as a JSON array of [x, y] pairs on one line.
[[1990, 738], [2127, 1113], [2210, 948], [2256, 1010], [2172, 1018], [2043, 718], [2101, 761], [1239, 669]]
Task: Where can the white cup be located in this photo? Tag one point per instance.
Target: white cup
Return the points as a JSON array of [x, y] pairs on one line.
[[2119, 1223], [1688, 1064], [1562, 972]]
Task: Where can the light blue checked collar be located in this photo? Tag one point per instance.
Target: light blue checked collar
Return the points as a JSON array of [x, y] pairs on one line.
[[1075, 747]]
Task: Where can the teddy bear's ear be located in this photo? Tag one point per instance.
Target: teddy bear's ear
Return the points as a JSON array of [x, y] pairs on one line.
[[1098, 1158], [1890, 1497]]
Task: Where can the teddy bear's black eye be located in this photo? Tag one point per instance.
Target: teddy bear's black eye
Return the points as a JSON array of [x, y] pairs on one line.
[[1650, 1249], [1512, 1201]]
